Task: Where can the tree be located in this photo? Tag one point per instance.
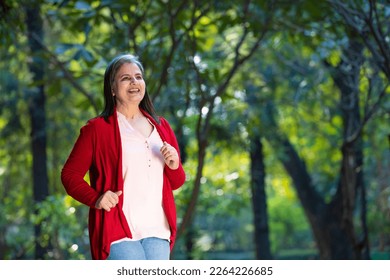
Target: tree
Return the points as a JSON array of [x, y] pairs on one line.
[[197, 63], [244, 46], [338, 233], [333, 221], [351, 185], [259, 198], [37, 109], [369, 20]]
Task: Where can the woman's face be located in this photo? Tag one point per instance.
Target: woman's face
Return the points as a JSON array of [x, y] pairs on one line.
[[129, 85]]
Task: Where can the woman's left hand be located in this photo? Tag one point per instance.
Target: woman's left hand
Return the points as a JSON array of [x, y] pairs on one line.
[[171, 157]]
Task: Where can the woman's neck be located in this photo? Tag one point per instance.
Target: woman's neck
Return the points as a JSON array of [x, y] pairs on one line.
[[130, 112]]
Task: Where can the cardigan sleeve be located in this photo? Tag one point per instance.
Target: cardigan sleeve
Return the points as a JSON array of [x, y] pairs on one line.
[[76, 167], [177, 176]]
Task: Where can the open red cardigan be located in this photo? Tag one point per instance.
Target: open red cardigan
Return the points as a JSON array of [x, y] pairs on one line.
[[98, 150]]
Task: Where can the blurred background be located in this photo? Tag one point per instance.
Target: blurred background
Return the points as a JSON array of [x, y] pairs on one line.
[[281, 109]]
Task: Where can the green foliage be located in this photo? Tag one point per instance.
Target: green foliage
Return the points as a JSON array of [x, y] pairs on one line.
[[291, 230], [223, 219], [63, 224], [187, 53]]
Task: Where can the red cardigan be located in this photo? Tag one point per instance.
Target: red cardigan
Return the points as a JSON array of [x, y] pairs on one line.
[[98, 150]]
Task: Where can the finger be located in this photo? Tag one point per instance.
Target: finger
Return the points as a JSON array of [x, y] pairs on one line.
[[108, 200], [169, 158], [169, 151], [113, 199], [107, 208], [173, 155], [111, 196], [165, 145], [169, 147], [166, 154], [109, 205]]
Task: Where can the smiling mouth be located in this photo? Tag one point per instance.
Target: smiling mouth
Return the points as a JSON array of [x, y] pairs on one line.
[[134, 90]]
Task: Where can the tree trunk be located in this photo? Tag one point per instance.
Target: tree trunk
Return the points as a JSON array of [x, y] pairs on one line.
[[190, 211], [36, 105], [330, 231], [351, 184], [259, 200], [189, 240], [333, 224]]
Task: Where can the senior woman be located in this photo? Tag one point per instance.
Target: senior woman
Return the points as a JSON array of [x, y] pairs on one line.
[[134, 165]]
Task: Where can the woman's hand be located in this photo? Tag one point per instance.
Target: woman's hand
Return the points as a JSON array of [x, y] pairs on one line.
[[171, 157], [108, 200]]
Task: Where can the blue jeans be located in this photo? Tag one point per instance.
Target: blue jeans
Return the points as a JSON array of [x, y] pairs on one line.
[[151, 248]]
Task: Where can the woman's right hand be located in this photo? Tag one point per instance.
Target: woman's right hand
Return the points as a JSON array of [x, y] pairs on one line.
[[108, 200]]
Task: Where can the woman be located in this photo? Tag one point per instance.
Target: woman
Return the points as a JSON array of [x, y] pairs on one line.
[[133, 160]]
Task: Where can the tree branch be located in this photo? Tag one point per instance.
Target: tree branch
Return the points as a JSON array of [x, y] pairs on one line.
[[68, 76]]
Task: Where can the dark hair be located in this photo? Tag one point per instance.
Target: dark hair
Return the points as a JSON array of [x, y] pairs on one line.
[[109, 76]]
